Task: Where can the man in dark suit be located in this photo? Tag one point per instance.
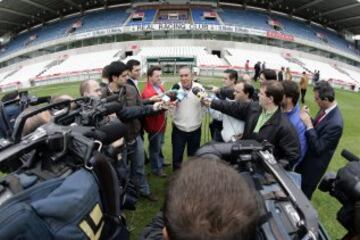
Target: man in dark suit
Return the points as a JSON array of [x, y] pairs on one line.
[[134, 69], [323, 135]]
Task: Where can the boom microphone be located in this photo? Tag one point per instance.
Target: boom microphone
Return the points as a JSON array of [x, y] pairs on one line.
[[108, 133]]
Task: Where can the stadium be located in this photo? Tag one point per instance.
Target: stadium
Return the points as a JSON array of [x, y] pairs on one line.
[[48, 47]]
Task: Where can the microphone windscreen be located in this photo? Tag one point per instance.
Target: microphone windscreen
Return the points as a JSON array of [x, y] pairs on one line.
[[196, 90], [176, 86]]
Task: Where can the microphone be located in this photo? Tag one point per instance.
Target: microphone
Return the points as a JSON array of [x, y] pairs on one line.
[[349, 156], [200, 93], [176, 86], [108, 133]]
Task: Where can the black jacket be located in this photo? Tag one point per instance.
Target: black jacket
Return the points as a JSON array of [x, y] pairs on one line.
[[280, 76], [143, 101], [153, 231], [277, 130], [131, 111]]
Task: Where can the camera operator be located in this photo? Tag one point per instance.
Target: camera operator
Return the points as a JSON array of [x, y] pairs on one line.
[[264, 120], [206, 199], [323, 135], [118, 74], [10, 112]]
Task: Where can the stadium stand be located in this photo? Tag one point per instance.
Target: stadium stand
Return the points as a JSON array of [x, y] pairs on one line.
[[238, 57], [175, 16], [142, 17], [24, 74], [104, 19], [93, 61], [204, 16]]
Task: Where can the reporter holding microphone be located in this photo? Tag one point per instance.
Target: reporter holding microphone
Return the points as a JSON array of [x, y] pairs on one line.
[[187, 118]]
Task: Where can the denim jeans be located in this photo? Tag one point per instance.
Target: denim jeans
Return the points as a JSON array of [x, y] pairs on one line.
[[136, 159], [179, 140], [156, 141]]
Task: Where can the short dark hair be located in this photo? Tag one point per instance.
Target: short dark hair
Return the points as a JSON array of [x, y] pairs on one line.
[[233, 75], [131, 63], [105, 72], [325, 90], [291, 90], [269, 74], [116, 68], [248, 88], [274, 89], [10, 96], [152, 69], [195, 205]]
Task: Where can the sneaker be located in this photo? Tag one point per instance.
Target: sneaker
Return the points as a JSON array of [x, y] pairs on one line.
[[151, 197]]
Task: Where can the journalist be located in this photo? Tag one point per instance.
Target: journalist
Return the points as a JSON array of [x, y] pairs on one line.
[[264, 120], [197, 207]]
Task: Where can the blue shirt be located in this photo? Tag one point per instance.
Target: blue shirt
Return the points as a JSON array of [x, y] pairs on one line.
[[294, 118]]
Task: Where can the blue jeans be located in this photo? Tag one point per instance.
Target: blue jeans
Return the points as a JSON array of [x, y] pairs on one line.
[[156, 141], [136, 159], [179, 140]]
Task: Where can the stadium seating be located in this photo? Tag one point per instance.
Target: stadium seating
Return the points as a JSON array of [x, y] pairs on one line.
[[25, 73], [198, 18], [258, 20], [244, 18], [114, 17], [83, 62], [238, 57], [149, 15]]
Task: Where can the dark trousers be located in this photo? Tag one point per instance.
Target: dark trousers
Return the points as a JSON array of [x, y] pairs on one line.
[[179, 140], [303, 93]]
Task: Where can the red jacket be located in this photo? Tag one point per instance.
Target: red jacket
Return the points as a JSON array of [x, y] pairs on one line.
[[153, 123]]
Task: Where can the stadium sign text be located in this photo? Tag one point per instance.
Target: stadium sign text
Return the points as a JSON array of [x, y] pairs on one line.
[[171, 27]]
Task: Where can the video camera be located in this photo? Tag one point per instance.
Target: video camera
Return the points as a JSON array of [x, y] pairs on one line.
[[11, 109], [287, 213], [345, 187], [89, 111], [71, 137]]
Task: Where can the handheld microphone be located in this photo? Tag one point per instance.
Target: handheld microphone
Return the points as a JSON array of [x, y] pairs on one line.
[[349, 156]]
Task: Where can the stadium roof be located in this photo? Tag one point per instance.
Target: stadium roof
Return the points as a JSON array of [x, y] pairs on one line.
[[17, 15]]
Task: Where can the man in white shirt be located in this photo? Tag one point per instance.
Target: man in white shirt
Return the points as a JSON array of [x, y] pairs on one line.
[[187, 118], [233, 128]]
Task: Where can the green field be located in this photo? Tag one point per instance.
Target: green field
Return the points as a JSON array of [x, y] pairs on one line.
[[326, 205]]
